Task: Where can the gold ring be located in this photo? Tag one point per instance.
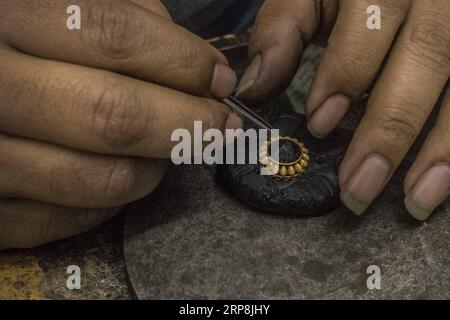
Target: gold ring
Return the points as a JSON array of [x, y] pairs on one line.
[[284, 170]]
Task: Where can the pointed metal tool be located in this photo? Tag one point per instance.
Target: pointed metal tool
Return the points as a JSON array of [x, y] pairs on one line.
[[247, 113]]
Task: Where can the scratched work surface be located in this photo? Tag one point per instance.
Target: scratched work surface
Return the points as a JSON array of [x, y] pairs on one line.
[[41, 273], [191, 239]]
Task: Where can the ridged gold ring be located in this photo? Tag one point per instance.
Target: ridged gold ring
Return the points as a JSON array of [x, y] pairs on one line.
[[284, 170]]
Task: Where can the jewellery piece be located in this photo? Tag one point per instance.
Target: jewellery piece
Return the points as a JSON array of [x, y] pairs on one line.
[[284, 169]]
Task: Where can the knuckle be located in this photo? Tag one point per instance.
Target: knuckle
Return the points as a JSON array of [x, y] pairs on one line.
[[119, 118], [183, 57], [269, 16], [397, 6], [40, 86], [430, 39], [114, 30], [400, 122], [351, 70], [116, 182], [215, 116]]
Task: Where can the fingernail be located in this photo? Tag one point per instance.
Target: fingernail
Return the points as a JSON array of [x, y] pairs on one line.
[[250, 76], [429, 192], [328, 116], [366, 184], [234, 122], [223, 82]]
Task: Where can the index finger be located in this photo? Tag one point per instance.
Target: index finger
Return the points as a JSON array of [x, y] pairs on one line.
[[95, 110], [119, 36]]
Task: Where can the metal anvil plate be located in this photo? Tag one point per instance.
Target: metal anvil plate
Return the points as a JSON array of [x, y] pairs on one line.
[[193, 240]]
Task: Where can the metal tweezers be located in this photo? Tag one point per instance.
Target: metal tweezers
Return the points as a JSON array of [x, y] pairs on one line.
[[247, 113]]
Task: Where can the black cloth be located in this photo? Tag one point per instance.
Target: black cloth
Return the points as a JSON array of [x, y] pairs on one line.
[[210, 18]]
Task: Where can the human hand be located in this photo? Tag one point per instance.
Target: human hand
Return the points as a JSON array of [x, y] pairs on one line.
[[85, 114], [409, 59]]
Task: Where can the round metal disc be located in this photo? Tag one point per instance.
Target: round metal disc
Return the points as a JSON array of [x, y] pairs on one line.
[[192, 240]]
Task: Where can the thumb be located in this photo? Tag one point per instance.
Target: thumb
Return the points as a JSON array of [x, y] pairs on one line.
[[282, 30]]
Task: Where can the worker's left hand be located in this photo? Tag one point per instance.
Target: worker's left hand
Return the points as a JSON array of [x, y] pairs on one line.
[[87, 114], [409, 61]]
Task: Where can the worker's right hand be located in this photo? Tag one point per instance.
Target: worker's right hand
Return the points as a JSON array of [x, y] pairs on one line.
[[404, 63], [84, 114]]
